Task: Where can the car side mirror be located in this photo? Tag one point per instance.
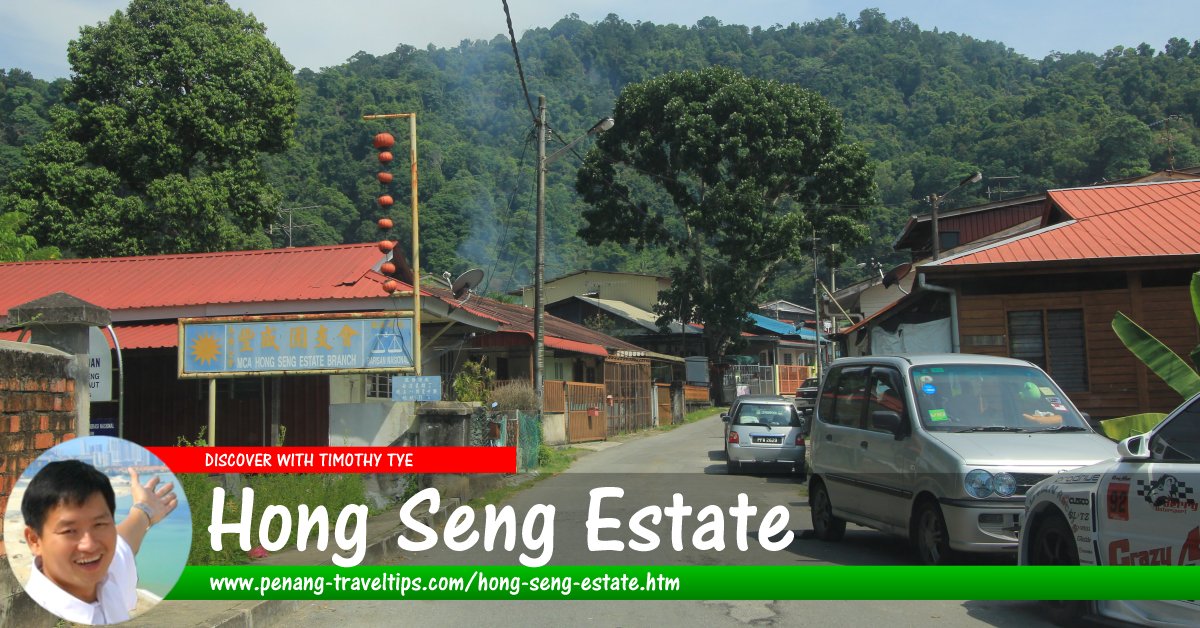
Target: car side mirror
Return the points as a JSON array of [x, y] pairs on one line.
[[1134, 448], [725, 418], [888, 421]]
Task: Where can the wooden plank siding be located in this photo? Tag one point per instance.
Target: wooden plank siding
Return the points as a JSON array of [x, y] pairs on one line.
[[582, 425], [1112, 371]]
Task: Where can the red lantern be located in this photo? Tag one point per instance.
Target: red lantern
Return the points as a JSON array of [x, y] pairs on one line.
[[390, 286], [386, 245], [384, 140], [384, 177], [385, 201], [385, 157], [385, 223], [387, 268]]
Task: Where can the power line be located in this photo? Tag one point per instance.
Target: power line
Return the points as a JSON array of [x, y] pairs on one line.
[[517, 55], [508, 218]]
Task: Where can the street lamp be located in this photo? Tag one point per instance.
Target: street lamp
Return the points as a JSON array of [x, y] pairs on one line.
[[936, 200], [539, 271]]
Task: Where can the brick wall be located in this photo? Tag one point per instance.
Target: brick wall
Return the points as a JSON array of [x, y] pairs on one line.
[[37, 411]]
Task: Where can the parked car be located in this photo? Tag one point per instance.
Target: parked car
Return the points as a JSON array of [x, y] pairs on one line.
[[806, 394], [764, 430], [940, 448], [1138, 509]]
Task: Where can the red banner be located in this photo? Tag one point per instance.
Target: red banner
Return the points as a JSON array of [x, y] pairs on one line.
[[338, 459]]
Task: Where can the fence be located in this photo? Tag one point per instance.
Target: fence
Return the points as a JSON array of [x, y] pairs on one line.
[[744, 379], [586, 416], [791, 377], [628, 383], [663, 397], [695, 394]]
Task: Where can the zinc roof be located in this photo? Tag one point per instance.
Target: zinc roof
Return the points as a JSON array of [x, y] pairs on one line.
[[1120, 221], [119, 283]]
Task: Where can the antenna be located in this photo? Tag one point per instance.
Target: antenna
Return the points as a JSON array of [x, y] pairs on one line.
[[289, 227], [466, 282]]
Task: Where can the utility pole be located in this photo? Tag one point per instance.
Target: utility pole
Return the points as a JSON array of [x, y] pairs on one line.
[[539, 300], [816, 309]]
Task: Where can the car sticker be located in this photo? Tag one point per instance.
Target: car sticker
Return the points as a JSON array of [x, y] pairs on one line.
[[929, 389], [1046, 390], [1168, 494], [1058, 406], [938, 414], [1118, 501]]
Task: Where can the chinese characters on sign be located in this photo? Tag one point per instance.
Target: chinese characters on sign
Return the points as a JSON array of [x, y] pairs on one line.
[[225, 347], [410, 388]]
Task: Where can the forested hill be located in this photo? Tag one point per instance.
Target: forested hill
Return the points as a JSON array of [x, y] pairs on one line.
[[929, 106]]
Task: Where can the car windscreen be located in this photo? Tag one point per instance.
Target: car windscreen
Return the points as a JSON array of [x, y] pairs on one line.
[[991, 398], [773, 415]]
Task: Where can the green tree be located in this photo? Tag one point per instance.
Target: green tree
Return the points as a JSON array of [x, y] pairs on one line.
[[171, 106], [745, 170]]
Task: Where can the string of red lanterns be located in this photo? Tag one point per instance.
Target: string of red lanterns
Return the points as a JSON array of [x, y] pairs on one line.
[[383, 142]]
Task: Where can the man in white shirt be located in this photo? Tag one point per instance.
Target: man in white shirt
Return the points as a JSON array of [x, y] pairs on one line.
[[84, 568]]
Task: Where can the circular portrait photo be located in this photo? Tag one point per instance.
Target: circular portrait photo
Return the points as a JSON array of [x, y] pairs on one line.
[[97, 530]]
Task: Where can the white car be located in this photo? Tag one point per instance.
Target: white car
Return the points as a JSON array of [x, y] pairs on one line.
[[1138, 509]]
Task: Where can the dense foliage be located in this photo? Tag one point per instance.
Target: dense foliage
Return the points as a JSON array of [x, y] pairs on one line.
[[928, 107], [156, 151], [749, 169]]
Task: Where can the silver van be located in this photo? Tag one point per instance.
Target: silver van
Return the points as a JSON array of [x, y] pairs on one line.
[[940, 449]]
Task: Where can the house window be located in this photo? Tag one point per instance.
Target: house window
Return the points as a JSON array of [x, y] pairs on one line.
[[787, 359], [948, 240], [1053, 340], [379, 386]]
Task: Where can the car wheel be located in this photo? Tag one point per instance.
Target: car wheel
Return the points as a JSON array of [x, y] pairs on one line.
[[930, 535], [826, 526], [732, 467], [1052, 543]]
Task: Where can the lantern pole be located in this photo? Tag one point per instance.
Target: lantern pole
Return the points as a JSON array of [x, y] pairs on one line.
[[416, 244]]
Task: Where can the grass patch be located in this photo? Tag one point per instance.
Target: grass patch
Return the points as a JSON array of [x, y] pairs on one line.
[[693, 416], [551, 461]]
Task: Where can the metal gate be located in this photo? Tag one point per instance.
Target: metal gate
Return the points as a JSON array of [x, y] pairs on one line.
[[746, 379], [628, 383]]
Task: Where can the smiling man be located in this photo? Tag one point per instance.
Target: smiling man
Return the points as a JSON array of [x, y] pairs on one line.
[[84, 568]]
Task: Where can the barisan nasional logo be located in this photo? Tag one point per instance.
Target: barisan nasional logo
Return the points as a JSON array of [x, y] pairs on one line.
[[1168, 494]]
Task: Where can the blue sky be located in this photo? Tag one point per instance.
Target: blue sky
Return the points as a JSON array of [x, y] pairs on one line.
[[320, 33]]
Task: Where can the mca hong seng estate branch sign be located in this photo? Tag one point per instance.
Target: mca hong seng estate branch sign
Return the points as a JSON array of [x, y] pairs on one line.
[[277, 345]]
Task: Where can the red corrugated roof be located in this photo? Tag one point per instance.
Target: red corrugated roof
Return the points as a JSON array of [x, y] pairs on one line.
[[120, 283], [153, 336], [277, 275], [1120, 221]]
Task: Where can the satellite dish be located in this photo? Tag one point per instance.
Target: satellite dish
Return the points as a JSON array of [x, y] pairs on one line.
[[466, 281], [894, 275]]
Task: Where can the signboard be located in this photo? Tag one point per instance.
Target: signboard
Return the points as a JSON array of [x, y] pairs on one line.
[[99, 366], [104, 426], [413, 388], [278, 345]]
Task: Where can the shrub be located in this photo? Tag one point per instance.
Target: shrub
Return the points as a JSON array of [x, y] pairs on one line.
[[473, 381], [515, 396]]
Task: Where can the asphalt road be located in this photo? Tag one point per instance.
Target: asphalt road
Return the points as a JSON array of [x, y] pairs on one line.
[[690, 461]]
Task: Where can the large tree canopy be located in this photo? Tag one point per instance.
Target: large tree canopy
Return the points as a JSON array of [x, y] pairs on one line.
[[731, 175], [172, 103]]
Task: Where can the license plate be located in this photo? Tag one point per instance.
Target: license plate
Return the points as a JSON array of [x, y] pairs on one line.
[[767, 440]]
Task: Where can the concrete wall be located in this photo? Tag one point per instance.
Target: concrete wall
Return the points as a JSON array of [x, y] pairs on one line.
[[369, 424], [554, 428], [37, 411]]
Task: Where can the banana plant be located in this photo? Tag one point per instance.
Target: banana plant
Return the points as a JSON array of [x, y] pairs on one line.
[[1160, 359]]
